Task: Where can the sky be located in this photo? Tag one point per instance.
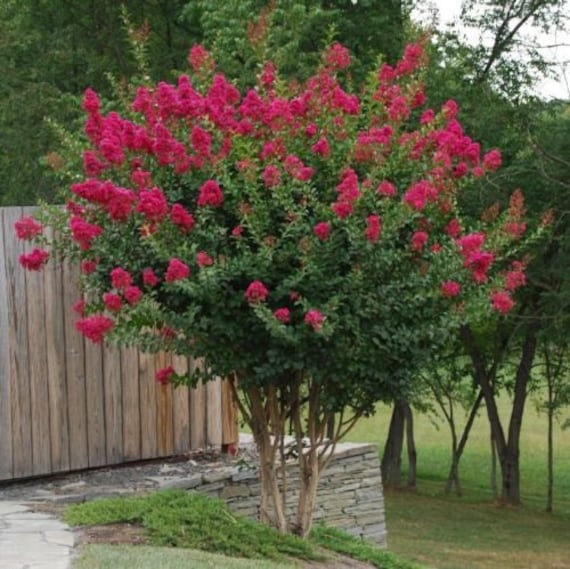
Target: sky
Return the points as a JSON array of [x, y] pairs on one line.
[[550, 88]]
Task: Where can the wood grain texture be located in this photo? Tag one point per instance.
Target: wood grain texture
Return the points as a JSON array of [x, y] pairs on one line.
[[56, 368], [198, 436], [213, 413], [74, 353], [131, 404], [19, 349], [147, 370], [95, 395], [6, 435], [181, 409], [112, 393]]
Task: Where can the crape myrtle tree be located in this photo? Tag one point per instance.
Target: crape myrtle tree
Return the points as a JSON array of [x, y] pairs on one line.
[[302, 240]]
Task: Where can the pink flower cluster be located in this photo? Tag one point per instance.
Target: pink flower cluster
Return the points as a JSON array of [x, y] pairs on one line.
[[95, 327], [28, 228], [256, 292]]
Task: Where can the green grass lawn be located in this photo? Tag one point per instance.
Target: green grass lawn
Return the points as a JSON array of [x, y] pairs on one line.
[[474, 532], [143, 557]]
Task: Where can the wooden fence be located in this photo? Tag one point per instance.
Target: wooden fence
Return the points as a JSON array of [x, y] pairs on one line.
[[68, 404]]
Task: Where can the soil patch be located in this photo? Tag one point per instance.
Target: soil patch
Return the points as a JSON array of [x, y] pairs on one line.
[[113, 534]]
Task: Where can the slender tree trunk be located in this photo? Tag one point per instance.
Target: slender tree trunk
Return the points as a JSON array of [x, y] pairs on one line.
[[392, 457], [507, 446], [458, 448], [411, 446], [494, 485], [550, 435], [511, 491]]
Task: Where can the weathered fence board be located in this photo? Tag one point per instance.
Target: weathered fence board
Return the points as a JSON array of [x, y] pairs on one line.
[[56, 369], [18, 347], [6, 464], [68, 404]]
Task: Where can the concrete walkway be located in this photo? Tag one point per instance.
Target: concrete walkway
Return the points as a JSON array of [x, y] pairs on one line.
[[31, 540]]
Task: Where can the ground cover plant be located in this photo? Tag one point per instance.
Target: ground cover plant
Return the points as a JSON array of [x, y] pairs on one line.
[[193, 521], [182, 520], [292, 219]]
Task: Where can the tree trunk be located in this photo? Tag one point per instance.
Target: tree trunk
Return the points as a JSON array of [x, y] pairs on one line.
[[510, 470], [392, 457], [411, 446], [310, 476], [550, 407], [458, 448], [507, 446], [494, 485]]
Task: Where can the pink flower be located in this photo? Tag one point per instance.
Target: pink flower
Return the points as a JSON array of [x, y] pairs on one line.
[[471, 242], [238, 230], [113, 301], [479, 262], [149, 277], [28, 227], [256, 292], [283, 314], [95, 327], [492, 160], [268, 75], [427, 117], [373, 228], [419, 240], [204, 260], [271, 176], [386, 188], [91, 102], [453, 228], [201, 141], [164, 376], [200, 58], [516, 229], [338, 56], [88, 266], [80, 307], [450, 109], [418, 195], [133, 294], [84, 232], [315, 319], [181, 217], [153, 204], [177, 270], [322, 230], [210, 194], [322, 147], [449, 289], [92, 164], [343, 209], [399, 109], [311, 130], [515, 279], [502, 302], [35, 260], [120, 278]]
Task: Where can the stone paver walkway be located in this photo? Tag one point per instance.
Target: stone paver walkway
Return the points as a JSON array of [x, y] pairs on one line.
[[30, 540]]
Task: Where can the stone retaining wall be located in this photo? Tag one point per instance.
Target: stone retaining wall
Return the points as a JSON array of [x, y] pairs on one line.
[[350, 492]]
